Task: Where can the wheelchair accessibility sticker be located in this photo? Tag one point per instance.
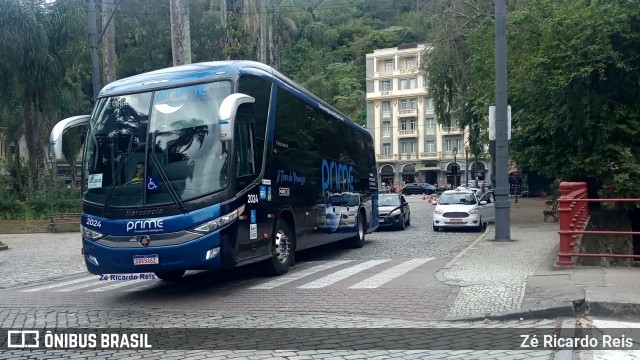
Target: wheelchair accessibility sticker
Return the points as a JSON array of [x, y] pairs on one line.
[[153, 183]]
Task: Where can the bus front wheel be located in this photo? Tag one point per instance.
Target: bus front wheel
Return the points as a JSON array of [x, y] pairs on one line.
[[283, 247], [170, 275]]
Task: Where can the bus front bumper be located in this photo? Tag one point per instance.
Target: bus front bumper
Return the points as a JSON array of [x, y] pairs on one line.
[[200, 254]]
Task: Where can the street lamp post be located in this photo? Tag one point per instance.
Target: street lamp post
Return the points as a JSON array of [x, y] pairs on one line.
[[466, 165], [455, 168]]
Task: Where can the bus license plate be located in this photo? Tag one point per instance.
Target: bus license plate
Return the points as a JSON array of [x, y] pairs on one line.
[[146, 259], [456, 220]]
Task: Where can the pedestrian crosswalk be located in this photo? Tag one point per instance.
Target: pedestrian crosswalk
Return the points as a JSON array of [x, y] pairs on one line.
[[344, 274]]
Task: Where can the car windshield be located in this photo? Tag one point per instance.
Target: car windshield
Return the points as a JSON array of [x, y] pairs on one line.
[[389, 201], [156, 147], [463, 198]]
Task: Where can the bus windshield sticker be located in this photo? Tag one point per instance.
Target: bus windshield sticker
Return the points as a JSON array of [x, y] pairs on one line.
[[95, 181], [253, 217], [266, 181], [284, 192], [153, 183], [253, 231], [263, 192], [268, 193]]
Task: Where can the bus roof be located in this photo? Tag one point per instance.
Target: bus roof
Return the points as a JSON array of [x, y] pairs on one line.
[[204, 72]]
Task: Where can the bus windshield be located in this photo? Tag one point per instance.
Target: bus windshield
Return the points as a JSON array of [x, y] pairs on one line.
[[156, 147]]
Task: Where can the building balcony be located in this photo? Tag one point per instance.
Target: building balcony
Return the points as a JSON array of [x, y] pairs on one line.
[[408, 133], [387, 157], [386, 114], [408, 113], [385, 92], [431, 155], [383, 74]]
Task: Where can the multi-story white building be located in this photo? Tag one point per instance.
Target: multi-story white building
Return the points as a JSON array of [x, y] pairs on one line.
[[410, 145]]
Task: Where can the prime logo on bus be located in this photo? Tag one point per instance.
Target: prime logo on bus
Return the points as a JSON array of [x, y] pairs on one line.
[[336, 175], [145, 226]]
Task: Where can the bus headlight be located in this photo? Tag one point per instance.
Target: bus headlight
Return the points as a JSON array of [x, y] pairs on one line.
[[220, 222], [90, 234]]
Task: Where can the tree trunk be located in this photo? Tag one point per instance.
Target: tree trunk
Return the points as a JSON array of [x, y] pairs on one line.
[[223, 13], [272, 45], [108, 44], [180, 32], [263, 32]]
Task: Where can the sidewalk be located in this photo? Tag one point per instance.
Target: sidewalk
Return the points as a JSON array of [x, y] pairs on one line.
[[517, 279]]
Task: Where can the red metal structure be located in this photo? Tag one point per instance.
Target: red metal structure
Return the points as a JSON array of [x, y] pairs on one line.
[[574, 215]]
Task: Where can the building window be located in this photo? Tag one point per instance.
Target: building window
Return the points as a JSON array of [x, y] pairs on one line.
[[409, 124], [430, 124], [407, 83], [386, 109], [388, 66], [455, 124], [408, 147], [386, 128], [408, 104], [410, 63], [386, 149], [385, 85], [453, 143], [430, 146]]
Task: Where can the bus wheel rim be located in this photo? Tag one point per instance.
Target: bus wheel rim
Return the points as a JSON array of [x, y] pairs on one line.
[[282, 246]]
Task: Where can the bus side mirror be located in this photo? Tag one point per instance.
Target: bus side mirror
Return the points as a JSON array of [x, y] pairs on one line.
[[227, 114], [55, 141]]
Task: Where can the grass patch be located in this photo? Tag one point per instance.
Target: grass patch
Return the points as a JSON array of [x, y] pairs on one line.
[[35, 226], [607, 220]]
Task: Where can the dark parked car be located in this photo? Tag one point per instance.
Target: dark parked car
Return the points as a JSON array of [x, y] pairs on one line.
[[418, 188], [393, 210]]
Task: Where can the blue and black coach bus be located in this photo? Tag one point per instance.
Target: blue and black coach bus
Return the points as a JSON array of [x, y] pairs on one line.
[[218, 165]]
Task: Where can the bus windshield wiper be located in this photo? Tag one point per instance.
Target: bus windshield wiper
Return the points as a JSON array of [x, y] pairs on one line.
[[124, 157], [165, 179]]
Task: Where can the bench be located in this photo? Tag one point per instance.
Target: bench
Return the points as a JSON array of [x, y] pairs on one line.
[[68, 218]]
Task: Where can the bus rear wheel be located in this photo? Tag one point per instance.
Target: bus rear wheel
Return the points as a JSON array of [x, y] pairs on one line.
[[283, 247], [357, 241], [169, 275]]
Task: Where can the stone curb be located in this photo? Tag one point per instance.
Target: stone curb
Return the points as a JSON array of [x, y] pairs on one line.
[[440, 274], [529, 314], [612, 309]]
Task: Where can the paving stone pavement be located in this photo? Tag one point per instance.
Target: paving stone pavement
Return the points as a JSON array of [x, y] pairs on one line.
[[179, 320], [493, 274], [39, 256]]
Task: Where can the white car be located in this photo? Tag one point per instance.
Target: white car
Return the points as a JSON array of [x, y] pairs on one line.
[[461, 208]]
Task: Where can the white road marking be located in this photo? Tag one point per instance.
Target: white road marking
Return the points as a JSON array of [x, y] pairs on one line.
[[299, 275], [342, 274], [390, 274], [70, 282]]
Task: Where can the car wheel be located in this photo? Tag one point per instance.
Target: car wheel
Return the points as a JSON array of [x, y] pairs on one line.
[[480, 226], [283, 245], [409, 220], [402, 223], [169, 275]]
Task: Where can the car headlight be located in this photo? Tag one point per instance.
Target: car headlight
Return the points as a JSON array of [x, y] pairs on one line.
[[90, 234], [395, 212], [220, 222], [439, 211], [473, 211]]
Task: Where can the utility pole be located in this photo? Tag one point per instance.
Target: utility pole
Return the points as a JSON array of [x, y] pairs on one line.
[[503, 215]]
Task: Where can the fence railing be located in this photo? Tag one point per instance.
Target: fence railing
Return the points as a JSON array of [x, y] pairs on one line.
[[573, 206]]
